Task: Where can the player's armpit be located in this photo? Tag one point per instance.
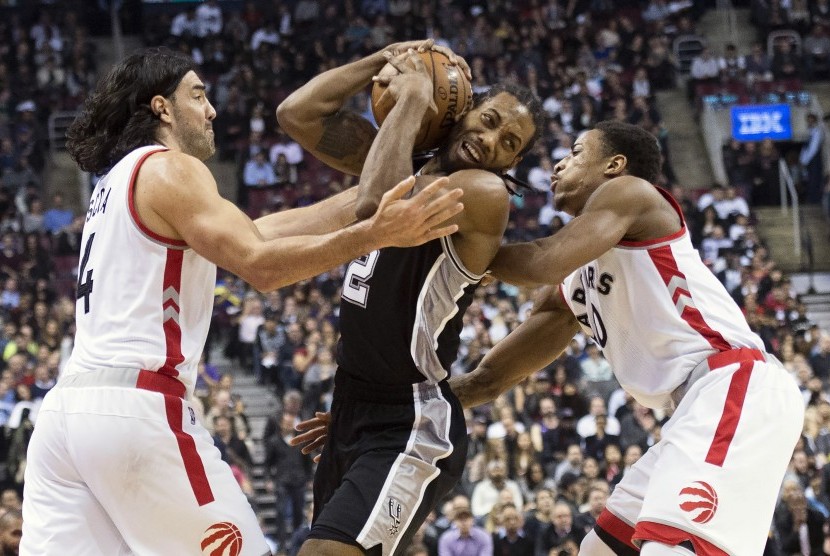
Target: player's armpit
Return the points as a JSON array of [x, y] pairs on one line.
[[532, 346]]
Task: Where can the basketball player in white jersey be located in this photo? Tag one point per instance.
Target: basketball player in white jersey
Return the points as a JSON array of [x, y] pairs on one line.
[[118, 463], [624, 270]]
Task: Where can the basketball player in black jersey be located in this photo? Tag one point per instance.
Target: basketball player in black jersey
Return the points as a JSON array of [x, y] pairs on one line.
[[397, 441]]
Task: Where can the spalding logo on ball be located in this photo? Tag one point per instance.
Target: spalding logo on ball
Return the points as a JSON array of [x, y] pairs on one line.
[[451, 91], [700, 502], [222, 539]]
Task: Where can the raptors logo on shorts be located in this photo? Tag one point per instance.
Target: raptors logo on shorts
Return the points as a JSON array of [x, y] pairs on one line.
[[222, 539], [700, 502]]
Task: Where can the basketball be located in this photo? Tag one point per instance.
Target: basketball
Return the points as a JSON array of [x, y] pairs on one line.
[[451, 92]]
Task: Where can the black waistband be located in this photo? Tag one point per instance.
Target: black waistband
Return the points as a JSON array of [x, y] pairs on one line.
[[348, 387]]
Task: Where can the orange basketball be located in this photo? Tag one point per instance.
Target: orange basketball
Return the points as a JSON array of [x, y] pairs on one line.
[[451, 91]]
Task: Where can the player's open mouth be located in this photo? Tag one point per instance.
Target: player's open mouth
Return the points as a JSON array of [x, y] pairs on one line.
[[470, 152]]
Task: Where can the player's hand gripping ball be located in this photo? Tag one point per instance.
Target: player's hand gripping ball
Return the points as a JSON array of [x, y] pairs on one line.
[[451, 91]]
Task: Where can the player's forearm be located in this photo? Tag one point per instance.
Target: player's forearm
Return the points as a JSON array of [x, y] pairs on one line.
[[390, 158], [532, 346], [328, 215], [524, 264], [287, 260]]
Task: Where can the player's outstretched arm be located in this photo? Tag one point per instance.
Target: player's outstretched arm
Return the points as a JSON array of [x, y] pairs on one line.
[[326, 216], [607, 217], [532, 346], [179, 194], [390, 158]]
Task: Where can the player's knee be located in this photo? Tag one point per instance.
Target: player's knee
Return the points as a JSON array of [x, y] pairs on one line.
[[660, 549], [592, 545]]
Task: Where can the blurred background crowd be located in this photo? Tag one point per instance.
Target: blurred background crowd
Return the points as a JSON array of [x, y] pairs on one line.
[[542, 458]]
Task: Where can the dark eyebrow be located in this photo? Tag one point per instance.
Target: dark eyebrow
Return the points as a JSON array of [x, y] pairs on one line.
[[199, 88]]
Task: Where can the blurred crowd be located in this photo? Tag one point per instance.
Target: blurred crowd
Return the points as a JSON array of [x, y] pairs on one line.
[[542, 458]]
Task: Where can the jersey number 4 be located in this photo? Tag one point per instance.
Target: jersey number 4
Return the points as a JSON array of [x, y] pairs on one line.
[[355, 287], [84, 288]]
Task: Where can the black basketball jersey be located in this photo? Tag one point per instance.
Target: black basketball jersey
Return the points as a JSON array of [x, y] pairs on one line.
[[400, 315]]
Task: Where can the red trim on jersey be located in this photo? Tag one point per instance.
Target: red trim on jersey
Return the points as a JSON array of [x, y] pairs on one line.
[[157, 382], [134, 212], [735, 396], [672, 536], [671, 237], [678, 234], [617, 528], [193, 465], [663, 259], [172, 331]]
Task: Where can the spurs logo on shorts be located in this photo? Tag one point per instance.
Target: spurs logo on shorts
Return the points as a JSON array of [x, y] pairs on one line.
[[222, 539], [700, 502], [395, 514]]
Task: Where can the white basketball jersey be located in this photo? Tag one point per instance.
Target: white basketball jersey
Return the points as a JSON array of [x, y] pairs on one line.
[[143, 301], [656, 311]]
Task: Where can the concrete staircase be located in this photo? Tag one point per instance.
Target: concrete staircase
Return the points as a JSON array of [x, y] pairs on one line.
[[776, 229], [814, 290], [260, 404], [687, 150]]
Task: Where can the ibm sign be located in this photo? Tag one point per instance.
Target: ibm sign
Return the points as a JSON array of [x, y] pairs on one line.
[[761, 121]]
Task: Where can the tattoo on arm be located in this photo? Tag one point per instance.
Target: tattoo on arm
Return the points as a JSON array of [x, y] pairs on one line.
[[347, 137]]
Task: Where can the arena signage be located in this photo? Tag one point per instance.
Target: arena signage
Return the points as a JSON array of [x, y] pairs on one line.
[[761, 121]]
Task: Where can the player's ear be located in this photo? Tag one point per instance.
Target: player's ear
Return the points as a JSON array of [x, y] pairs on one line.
[[616, 165], [161, 108]]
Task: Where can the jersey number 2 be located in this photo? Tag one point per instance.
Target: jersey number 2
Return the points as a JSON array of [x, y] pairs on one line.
[[84, 288], [355, 288]]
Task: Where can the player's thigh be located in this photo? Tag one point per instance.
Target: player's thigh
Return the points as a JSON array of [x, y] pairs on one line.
[[60, 514], [626, 500], [725, 492], [163, 483]]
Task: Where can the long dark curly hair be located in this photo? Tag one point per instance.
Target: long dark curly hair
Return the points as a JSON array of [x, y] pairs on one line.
[[116, 117]]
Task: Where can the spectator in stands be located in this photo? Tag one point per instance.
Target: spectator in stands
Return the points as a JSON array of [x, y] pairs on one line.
[[464, 537], [758, 66], [11, 530], [810, 159], [208, 19], [288, 473], [799, 528], [58, 216], [816, 48], [597, 377], [786, 62], [704, 71], [732, 65], [510, 538], [560, 529], [486, 493], [597, 497]]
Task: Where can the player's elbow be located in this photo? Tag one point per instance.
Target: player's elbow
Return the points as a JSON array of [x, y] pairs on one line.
[[366, 208], [288, 115]]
